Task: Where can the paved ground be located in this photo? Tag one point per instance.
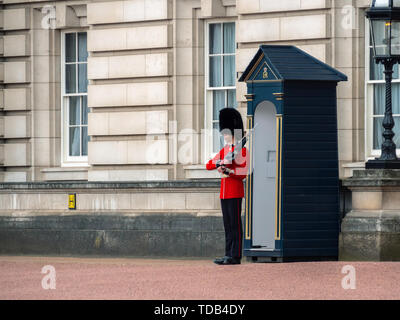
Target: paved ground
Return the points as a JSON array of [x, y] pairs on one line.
[[107, 278]]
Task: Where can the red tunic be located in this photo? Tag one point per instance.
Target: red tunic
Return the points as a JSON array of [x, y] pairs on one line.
[[232, 186]]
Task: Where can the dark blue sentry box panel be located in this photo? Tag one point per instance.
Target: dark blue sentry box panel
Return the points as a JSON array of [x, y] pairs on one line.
[[292, 191]]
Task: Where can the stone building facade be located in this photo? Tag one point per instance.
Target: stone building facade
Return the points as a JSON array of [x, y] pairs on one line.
[[146, 66], [97, 94]]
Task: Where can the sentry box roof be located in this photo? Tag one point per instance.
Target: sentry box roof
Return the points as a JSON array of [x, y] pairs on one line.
[[285, 62]]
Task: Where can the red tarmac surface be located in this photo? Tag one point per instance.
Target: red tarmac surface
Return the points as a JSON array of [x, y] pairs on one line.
[[109, 278]]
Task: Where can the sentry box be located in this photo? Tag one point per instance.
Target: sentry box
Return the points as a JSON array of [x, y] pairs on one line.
[[292, 191]]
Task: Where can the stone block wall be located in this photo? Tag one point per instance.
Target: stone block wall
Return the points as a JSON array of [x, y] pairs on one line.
[[16, 77], [175, 219], [131, 90], [146, 71]]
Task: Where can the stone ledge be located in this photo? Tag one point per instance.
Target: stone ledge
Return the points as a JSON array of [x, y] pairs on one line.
[[29, 213], [65, 169], [199, 171], [372, 221], [60, 173], [155, 221], [203, 183], [350, 167], [373, 178]]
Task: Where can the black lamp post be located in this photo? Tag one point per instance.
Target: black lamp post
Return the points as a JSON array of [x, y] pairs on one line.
[[385, 29]]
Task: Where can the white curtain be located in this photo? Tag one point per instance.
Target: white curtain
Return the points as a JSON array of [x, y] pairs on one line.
[[82, 46], [376, 70], [215, 38], [70, 47], [85, 139], [218, 102], [232, 103], [380, 98], [229, 71], [74, 139], [82, 77], [229, 61], [74, 120], [379, 109], [215, 72], [229, 38]]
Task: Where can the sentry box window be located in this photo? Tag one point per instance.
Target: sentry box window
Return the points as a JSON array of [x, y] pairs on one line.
[[72, 201]]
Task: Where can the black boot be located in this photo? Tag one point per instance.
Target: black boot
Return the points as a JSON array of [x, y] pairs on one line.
[[231, 260], [221, 260]]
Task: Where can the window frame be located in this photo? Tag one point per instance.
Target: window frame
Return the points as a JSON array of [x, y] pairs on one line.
[[66, 159], [371, 153], [208, 101]]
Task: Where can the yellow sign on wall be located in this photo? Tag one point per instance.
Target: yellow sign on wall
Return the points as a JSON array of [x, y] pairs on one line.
[[72, 201]]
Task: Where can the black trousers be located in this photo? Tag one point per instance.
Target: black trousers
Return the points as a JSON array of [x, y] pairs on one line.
[[231, 213]]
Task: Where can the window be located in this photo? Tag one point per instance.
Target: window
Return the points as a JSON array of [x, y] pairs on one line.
[[220, 77], [375, 94], [74, 97]]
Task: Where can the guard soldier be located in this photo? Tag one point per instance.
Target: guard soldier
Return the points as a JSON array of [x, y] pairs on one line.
[[231, 164]]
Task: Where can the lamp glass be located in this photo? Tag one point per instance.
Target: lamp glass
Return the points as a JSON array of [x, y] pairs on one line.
[[395, 42], [381, 31], [380, 3]]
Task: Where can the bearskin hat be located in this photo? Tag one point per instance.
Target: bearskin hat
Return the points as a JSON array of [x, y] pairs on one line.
[[231, 119]]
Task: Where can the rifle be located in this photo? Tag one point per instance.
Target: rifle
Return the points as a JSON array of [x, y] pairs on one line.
[[231, 156]]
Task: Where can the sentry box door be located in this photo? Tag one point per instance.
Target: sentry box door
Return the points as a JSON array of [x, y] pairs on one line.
[[292, 189], [264, 169]]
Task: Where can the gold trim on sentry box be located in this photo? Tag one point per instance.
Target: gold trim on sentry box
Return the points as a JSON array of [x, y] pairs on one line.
[[248, 184], [255, 66], [260, 81], [278, 177], [261, 67], [278, 96], [249, 97]]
